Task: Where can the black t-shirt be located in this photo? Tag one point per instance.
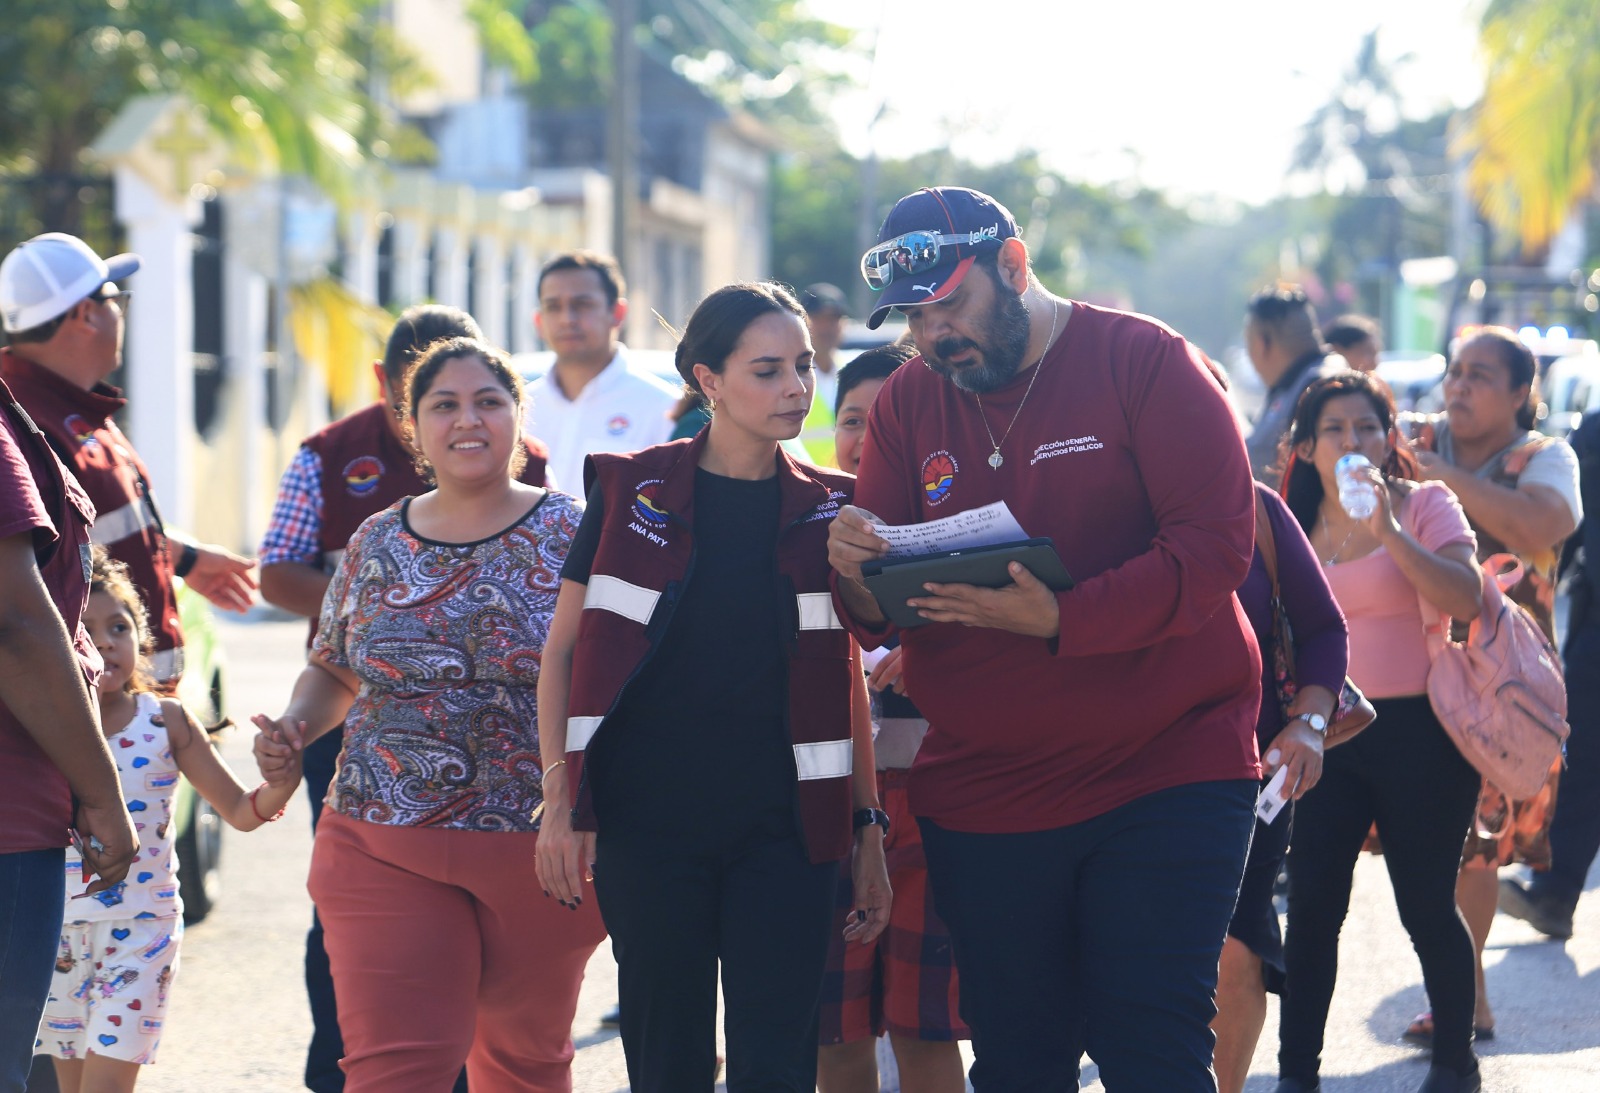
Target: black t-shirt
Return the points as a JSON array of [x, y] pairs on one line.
[[1586, 443], [891, 703], [698, 749]]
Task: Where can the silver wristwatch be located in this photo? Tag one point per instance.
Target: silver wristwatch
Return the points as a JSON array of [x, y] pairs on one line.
[[1316, 722]]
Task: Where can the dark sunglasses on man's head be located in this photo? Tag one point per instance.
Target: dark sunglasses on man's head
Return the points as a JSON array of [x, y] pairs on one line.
[[913, 253]]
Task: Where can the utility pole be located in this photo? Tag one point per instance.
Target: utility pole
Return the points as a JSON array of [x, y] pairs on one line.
[[867, 213], [622, 134], [867, 210]]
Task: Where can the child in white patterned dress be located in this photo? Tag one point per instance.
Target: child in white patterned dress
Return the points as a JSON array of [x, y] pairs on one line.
[[119, 948]]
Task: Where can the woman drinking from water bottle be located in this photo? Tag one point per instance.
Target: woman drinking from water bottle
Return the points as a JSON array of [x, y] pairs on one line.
[[1397, 573]]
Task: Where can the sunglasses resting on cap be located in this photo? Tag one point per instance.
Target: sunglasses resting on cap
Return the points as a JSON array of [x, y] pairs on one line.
[[927, 244]]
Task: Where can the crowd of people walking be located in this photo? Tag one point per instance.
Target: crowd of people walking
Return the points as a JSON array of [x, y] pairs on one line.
[[572, 676]]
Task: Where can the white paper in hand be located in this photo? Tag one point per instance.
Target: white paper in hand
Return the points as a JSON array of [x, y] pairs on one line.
[[1272, 800], [990, 525]]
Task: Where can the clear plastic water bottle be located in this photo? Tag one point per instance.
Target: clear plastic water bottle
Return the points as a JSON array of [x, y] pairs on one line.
[[1356, 494]]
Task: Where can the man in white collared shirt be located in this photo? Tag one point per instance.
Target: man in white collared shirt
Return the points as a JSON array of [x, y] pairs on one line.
[[591, 399]]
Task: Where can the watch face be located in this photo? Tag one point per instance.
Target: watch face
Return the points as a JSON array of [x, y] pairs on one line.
[[1317, 722]]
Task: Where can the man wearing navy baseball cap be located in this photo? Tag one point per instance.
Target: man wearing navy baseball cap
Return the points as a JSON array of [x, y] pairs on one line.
[[64, 318], [1091, 753]]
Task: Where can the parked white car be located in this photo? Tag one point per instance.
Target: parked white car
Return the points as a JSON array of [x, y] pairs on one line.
[[1570, 387], [1416, 378]]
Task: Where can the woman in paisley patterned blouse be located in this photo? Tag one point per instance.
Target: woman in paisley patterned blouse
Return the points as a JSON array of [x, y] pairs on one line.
[[442, 945]]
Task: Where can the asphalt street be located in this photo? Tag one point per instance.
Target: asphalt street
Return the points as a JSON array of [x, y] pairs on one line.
[[239, 1020]]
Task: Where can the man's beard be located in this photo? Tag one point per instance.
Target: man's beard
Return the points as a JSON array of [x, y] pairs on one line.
[[1003, 339]]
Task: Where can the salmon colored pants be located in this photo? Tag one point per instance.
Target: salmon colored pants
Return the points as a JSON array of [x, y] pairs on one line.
[[445, 949]]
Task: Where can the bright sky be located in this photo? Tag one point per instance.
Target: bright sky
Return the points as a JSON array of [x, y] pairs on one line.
[[1197, 97]]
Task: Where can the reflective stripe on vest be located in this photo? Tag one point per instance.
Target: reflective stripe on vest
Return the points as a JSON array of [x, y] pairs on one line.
[[166, 665], [620, 597], [581, 730], [816, 611], [118, 524], [827, 759]]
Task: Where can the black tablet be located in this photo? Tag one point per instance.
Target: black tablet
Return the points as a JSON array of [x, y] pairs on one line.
[[892, 581]]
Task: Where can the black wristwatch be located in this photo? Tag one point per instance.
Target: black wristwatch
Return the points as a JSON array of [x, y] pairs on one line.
[[187, 556], [864, 817]]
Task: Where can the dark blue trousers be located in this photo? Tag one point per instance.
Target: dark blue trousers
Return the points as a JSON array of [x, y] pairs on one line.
[[327, 1046], [1575, 830], [31, 897], [1102, 936]]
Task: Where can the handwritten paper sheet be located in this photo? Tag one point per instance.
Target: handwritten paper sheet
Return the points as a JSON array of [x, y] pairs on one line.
[[986, 526]]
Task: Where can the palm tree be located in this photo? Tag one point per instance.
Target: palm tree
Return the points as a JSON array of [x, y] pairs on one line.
[[1384, 174], [1534, 140], [287, 83], [1354, 127]]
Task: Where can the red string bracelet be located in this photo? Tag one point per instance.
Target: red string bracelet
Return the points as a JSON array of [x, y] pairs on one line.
[[278, 815]]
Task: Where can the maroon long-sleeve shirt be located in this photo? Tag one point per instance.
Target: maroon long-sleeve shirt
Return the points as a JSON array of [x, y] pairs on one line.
[[1127, 455]]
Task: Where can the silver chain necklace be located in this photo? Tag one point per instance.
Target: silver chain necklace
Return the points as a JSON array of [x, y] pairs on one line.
[[996, 460], [1327, 533]]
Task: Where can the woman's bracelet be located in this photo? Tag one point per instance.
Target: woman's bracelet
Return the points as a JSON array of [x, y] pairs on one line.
[[538, 809], [254, 807]]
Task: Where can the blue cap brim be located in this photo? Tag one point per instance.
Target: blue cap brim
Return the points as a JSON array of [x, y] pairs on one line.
[[120, 266], [914, 290]]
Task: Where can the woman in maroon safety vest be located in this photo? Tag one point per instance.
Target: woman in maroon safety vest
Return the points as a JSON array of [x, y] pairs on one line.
[[706, 737]]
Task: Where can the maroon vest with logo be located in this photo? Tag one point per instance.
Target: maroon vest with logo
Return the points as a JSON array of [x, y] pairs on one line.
[[79, 427], [645, 552], [36, 806], [365, 469]]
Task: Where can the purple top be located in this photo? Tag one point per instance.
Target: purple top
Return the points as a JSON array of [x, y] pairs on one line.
[[1321, 640]]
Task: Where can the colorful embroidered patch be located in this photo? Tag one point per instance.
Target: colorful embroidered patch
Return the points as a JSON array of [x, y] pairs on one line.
[[81, 429], [645, 507], [938, 476], [362, 474]]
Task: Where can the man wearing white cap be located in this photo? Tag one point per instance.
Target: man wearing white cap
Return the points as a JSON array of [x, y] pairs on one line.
[[63, 317]]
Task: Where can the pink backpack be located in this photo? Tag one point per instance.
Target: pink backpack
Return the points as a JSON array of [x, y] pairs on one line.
[[1500, 694]]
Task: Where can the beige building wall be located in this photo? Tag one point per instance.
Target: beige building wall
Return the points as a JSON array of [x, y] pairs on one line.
[[448, 43]]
